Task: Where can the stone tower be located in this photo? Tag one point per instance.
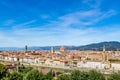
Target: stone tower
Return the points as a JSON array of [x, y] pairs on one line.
[[104, 49], [26, 50], [106, 59], [104, 54], [52, 50]]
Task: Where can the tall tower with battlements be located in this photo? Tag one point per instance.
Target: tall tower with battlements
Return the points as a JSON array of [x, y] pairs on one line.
[[26, 50]]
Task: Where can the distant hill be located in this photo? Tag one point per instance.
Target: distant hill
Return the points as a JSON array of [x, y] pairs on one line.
[[37, 48], [112, 45]]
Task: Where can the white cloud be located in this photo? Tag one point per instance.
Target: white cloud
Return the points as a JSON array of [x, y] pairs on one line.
[[93, 3], [8, 40], [22, 25], [84, 18], [8, 22], [70, 29], [44, 16]]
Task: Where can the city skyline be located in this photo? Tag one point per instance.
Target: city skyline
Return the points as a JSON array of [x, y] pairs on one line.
[[58, 22]]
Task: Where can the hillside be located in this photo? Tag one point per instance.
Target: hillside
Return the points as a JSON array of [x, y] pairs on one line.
[[112, 45]]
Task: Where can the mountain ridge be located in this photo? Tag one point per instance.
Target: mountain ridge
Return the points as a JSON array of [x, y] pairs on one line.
[[109, 45]]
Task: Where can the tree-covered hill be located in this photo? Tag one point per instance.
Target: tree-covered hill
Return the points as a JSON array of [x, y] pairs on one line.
[[112, 45]]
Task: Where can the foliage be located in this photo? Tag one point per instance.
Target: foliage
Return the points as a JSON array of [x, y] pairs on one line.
[[28, 73], [16, 76], [114, 60], [23, 69], [1, 61], [114, 76], [3, 71], [34, 75], [112, 45], [64, 77], [79, 75], [95, 75], [49, 75], [5, 78]]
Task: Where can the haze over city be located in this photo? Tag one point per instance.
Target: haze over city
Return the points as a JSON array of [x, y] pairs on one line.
[[58, 22]]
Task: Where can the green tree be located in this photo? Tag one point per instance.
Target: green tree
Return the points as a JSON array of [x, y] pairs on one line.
[[3, 71], [79, 75], [34, 75], [16, 76], [5, 78], [23, 69], [95, 75], [64, 77], [49, 75], [114, 76]]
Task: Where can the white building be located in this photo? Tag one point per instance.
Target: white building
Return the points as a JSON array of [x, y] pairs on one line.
[[90, 64], [115, 66]]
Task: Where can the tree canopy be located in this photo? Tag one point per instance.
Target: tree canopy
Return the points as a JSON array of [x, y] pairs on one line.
[[16, 76], [64, 77], [95, 75], [3, 71], [34, 75], [114, 76], [29, 73]]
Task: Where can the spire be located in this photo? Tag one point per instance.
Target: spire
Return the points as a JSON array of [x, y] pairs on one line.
[[104, 49], [105, 54]]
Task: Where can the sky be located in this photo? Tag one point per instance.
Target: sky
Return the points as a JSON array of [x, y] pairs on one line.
[[58, 22]]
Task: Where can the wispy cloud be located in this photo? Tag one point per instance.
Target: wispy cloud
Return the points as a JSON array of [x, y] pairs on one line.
[[8, 40], [84, 18], [74, 28], [44, 16], [71, 27], [23, 24], [95, 4], [8, 22]]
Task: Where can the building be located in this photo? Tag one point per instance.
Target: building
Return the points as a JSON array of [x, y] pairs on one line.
[[62, 49], [52, 50]]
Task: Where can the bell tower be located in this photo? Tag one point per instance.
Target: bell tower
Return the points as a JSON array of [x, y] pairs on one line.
[[52, 50], [106, 59], [26, 50], [104, 54]]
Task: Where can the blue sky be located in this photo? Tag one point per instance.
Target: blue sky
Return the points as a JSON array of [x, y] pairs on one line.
[[58, 22]]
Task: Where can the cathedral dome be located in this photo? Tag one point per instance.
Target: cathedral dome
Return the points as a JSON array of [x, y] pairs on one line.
[[62, 48]]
